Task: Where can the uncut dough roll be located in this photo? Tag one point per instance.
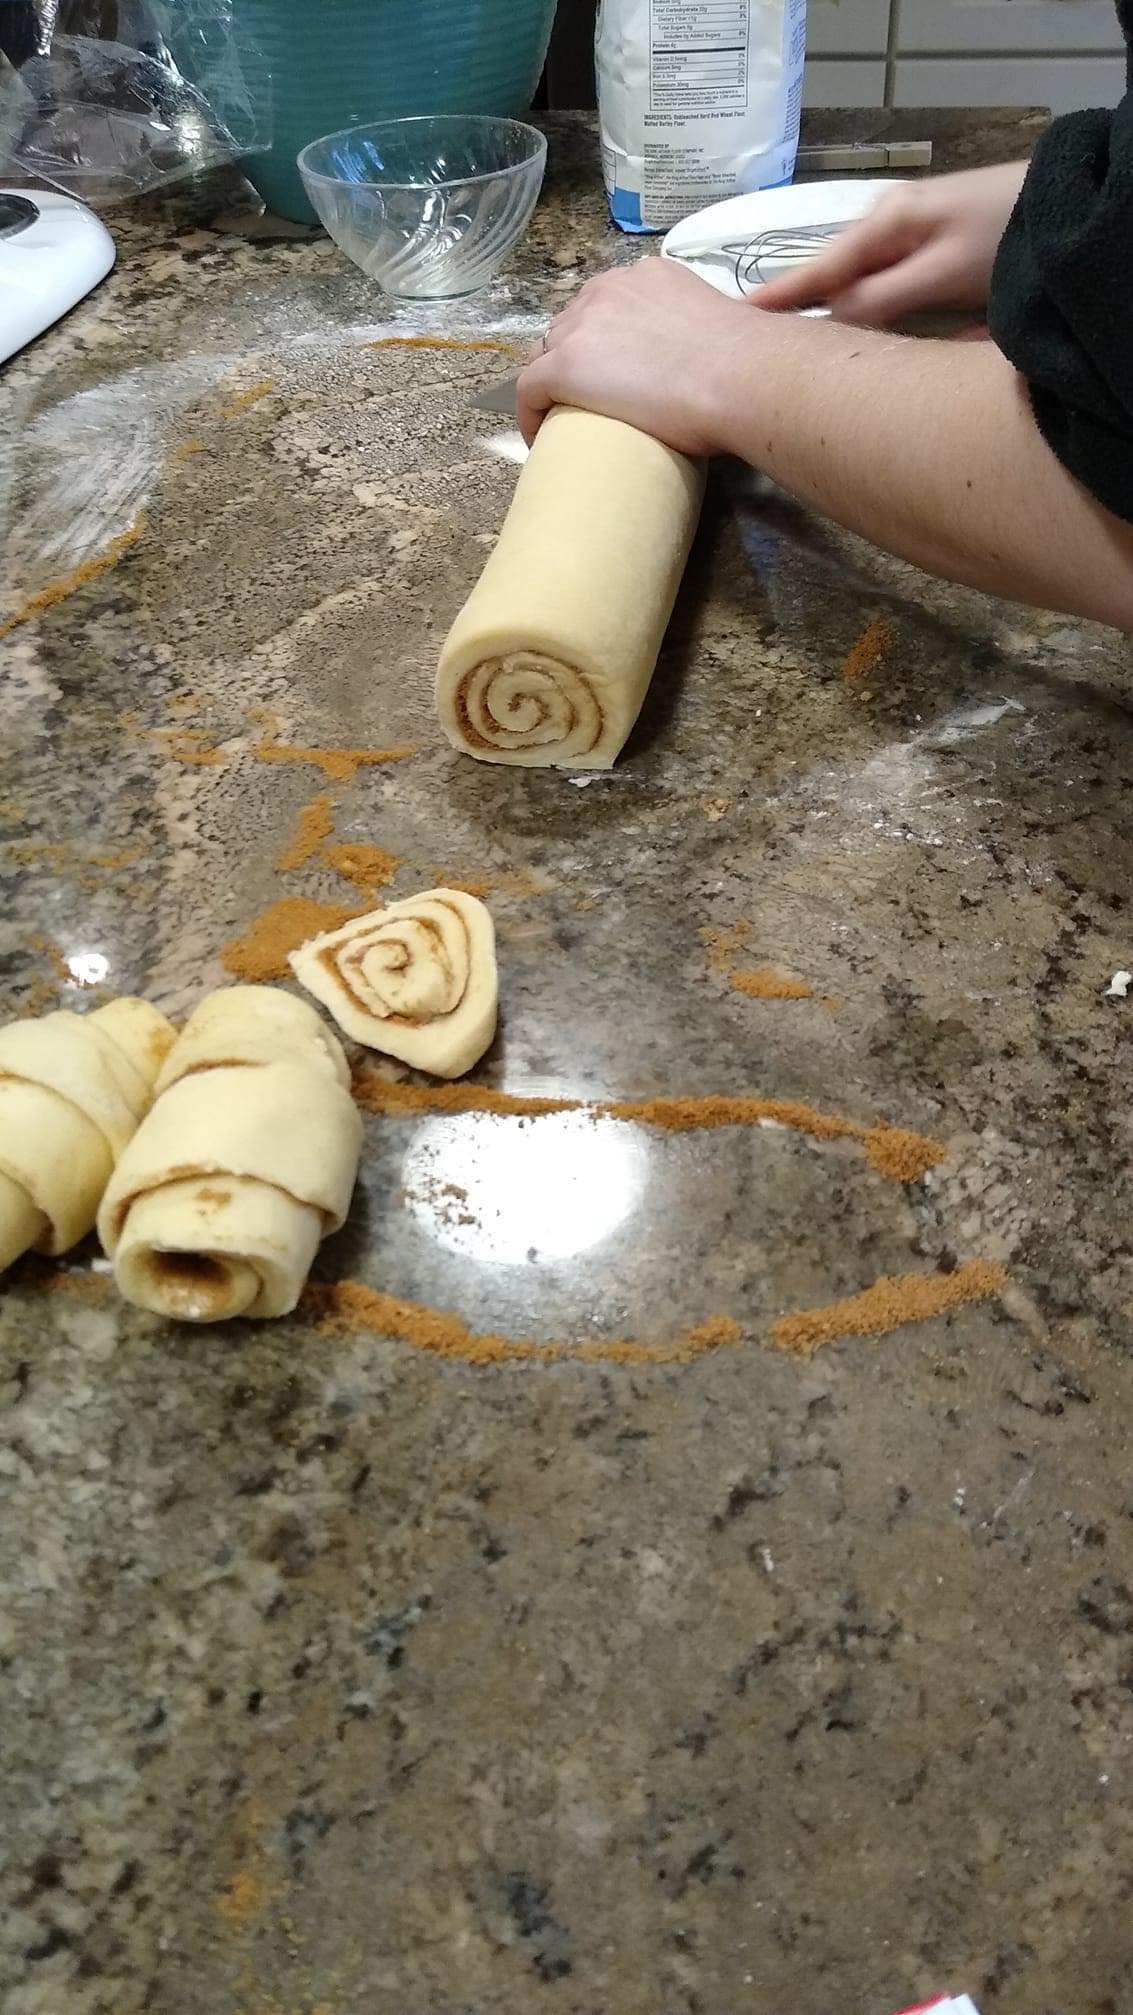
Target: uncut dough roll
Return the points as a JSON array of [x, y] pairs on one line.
[[416, 980], [245, 1162], [550, 659], [73, 1089]]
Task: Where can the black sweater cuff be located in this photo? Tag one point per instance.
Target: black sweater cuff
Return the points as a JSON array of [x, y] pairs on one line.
[[1061, 306]]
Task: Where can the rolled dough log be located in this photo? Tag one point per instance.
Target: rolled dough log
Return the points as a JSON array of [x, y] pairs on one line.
[[247, 1160], [72, 1091], [550, 659], [416, 980]]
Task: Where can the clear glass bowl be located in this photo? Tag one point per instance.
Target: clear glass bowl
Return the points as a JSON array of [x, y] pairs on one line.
[[428, 207]]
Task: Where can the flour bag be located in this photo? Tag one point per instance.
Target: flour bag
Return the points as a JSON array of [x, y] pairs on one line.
[[697, 100]]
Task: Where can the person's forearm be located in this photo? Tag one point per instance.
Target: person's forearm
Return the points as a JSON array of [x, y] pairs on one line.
[[929, 449]]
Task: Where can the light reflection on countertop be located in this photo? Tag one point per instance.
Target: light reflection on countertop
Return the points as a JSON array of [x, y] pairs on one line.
[[87, 968], [509, 446], [508, 1194]]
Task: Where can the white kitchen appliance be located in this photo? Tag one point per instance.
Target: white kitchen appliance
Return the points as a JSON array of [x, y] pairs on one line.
[[53, 250]]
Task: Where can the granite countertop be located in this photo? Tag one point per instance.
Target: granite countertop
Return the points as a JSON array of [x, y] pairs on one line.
[[339, 1678]]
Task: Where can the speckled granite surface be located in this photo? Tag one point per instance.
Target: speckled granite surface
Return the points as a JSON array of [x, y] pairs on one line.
[[338, 1679]]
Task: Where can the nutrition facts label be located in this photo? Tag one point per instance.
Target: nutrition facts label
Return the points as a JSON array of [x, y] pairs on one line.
[[698, 52]]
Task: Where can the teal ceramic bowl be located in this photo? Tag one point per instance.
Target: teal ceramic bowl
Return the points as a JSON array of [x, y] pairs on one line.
[[322, 65]]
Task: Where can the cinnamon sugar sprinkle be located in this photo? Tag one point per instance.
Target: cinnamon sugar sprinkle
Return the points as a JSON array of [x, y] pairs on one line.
[[892, 1151], [375, 1094], [244, 400], [48, 1277], [241, 1901], [39, 998], [261, 954], [765, 983], [890, 1303], [53, 954], [867, 652], [94, 1289], [58, 853], [478, 886], [181, 745], [722, 942], [339, 766], [368, 867], [350, 1306], [37, 853], [443, 343], [518, 882], [90, 570], [314, 826], [88, 871]]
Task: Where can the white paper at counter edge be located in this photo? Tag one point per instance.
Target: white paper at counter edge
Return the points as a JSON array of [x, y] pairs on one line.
[[956, 2004]]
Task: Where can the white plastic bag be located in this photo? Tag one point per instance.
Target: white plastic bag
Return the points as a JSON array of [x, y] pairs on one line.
[[110, 99], [697, 100]]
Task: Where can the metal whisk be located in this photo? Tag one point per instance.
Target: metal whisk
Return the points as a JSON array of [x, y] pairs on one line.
[[771, 253]]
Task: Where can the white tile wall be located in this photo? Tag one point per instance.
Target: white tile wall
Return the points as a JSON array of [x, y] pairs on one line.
[[847, 27], [1063, 84], [987, 27], [843, 83], [1056, 53]]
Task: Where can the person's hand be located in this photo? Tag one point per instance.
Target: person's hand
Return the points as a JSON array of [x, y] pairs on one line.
[[649, 344], [927, 245]]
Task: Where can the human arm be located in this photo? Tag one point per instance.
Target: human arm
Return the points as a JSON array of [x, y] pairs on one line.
[[925, 245], [929, 449]]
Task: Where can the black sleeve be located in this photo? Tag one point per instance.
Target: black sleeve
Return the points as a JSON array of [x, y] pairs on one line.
[[1061, 306], [1125, 17]]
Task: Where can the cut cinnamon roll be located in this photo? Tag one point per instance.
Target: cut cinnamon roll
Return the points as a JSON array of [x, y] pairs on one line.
[[416, 980]]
